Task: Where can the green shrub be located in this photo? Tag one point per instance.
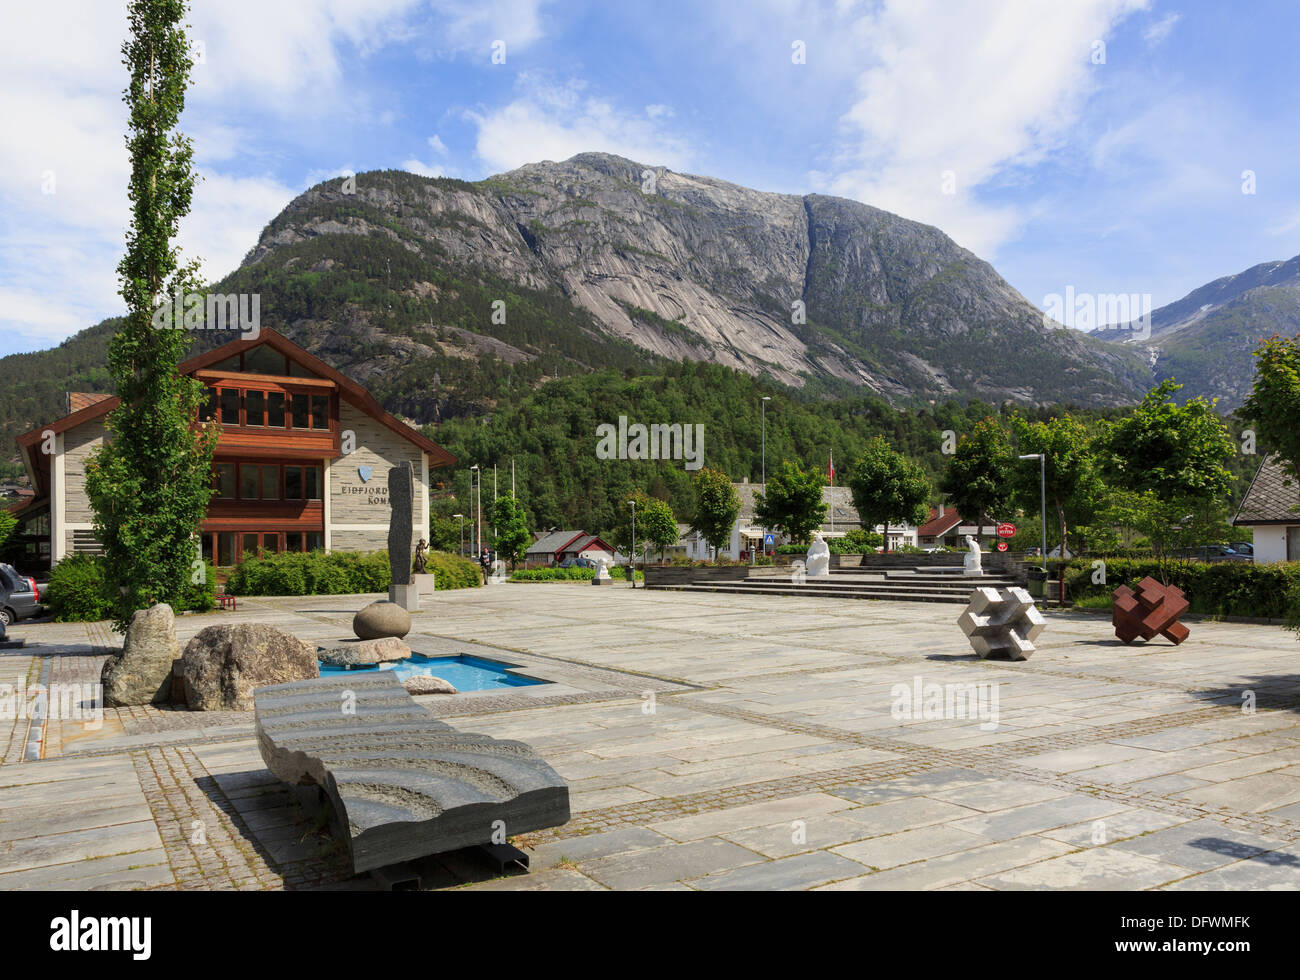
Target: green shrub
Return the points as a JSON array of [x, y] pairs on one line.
[[78, 591], [855, 542], [1226, 588], [574, 574], [339, 573]]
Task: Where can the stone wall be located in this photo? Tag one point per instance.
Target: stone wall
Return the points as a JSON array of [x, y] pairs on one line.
[[359, 508]]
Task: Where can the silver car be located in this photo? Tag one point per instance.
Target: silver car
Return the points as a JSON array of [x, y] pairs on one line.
[[20, 596]]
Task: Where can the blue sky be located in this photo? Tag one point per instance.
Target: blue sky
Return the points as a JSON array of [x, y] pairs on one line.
[[1093, 144]]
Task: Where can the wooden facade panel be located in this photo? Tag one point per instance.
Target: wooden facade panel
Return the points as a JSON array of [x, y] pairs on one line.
[[77, 445]]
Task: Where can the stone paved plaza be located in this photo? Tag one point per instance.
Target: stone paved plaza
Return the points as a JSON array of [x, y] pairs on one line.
[[719, 742]]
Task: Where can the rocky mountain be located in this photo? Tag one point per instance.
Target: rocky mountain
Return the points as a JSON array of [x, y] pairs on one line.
[[1206, 339], [444, 296]]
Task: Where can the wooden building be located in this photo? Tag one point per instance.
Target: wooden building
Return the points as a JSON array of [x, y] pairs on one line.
[[301, 462]]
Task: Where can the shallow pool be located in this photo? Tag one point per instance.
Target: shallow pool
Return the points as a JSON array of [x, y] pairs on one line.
[[463, 673]]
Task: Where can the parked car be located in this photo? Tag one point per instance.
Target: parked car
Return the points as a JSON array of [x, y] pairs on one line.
[[1246, 548], [1212, 552], [20, 596], [578, 563]]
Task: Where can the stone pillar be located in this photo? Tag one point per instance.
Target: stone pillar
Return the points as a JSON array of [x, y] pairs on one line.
[[401, 494]]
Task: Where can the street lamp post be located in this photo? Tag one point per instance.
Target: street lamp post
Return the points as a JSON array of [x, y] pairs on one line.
[[477, 529], [632, 556], [763, 403], [462, 533], [1042, 507]]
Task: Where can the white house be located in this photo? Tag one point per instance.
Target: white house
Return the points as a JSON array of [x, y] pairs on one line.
[[1271, 509]]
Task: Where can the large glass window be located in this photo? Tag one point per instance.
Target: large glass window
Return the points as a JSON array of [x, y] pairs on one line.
[[270, 483], [315, 541], [249, 546], [209, 411], [293, 483], [311, 475], [223, 478], [264, 360], [271, 543], [230, 406], [226, 548], [275, 410], [249, 481], [293, 541], [320, 412], [254, 408], [301, 418]]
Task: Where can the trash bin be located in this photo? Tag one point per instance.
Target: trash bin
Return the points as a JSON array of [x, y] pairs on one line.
[[1037, 582]]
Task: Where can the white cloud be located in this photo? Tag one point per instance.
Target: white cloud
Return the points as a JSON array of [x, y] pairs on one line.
[[550, 121], [970, 92], [1161, 29]]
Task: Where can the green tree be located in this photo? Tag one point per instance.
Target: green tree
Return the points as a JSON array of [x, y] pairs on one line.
[[655, 525], [510, 524], [980, 473], [1273, 405], [716, 506], [7, 524], [1173, 459], [150, 482], [793, 502], [888, 487], [1074, 487]]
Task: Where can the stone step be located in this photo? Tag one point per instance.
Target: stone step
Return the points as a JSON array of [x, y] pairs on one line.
[[826, 592]]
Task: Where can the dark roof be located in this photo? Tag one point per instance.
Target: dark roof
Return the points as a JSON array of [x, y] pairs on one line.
[[555, 542], [1273, 497]]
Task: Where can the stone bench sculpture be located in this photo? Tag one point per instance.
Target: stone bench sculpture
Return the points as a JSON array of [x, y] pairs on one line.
[[1150, 611], [400, 784], [1002, 622]]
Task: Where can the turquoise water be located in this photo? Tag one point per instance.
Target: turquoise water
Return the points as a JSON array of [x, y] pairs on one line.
[[463, 673]]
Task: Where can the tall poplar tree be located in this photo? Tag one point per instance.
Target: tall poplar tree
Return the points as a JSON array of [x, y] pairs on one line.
[[150, 482]]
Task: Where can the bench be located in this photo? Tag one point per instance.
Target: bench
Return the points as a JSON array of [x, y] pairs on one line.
[[399, 784], [228, 602]]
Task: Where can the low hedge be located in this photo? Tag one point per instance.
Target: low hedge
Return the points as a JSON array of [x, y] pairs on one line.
[[1227, 588], [339, 573], [573, 574], [79, 591]]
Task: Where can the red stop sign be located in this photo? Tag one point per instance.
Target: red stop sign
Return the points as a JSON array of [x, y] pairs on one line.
[[1002, 546], [1006, 530]]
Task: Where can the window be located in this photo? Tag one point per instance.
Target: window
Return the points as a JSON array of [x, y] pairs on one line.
[[264, 360], [223, 478], [249, 481], [315, 541], [209, 411], [275, 410], [255, 408], [300, 415], [226, 548], [320, 412], [293, 541], [207, 548], [293, 483], [311, 475], [270, 483], [230, 406], [270, 543], [250, 546]]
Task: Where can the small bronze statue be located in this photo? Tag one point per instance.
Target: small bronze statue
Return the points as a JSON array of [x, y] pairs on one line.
[[420, 549]]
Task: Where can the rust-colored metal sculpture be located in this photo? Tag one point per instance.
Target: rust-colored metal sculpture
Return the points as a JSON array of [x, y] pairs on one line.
[[1153, 609]]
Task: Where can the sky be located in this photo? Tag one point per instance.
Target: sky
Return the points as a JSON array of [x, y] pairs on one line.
[[1105, 146]]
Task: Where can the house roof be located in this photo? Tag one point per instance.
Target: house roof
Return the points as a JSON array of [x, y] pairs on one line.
[[555, 542], [348, 389], [588, 541], [941, 521], [77, 400], [838, 500], [1273, 497]]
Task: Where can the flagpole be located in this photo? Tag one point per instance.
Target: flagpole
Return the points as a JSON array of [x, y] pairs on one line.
[[832, 495]]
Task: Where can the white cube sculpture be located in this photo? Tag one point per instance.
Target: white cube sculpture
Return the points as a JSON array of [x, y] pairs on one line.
[[1002, 622]]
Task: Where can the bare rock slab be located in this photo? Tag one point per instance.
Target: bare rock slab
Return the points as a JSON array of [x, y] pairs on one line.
[[361, 653], [400, 784], [223, 664], [141, 674], [422, 684]]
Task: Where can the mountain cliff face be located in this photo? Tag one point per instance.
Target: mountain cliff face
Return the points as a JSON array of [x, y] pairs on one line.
[[681, 266], [444, 297], [1206, 339]]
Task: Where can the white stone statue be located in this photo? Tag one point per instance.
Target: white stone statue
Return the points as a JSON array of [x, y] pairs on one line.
[[973, 557], [819, 557], [602, 572]]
